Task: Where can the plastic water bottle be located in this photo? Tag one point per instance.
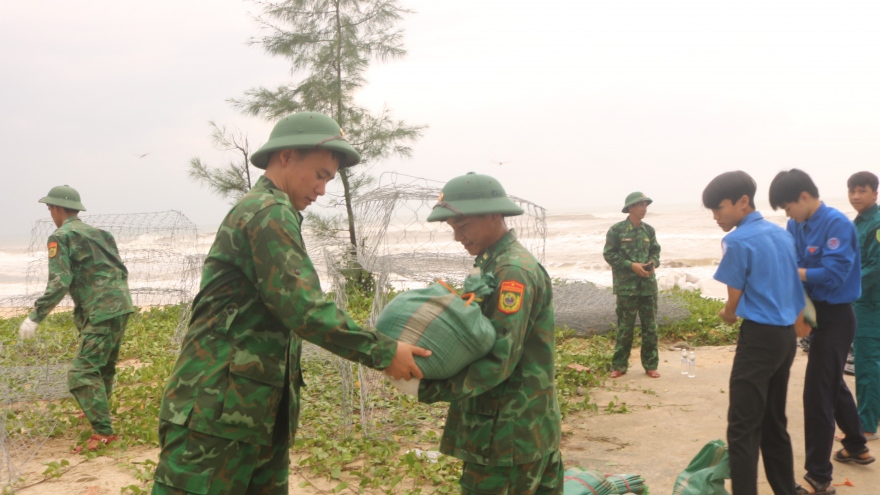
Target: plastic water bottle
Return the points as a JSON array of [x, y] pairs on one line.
[[684, 362], [692, 365]]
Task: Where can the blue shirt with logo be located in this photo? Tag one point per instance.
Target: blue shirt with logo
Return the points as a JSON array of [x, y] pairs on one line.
[[759, 259], [828, 247]]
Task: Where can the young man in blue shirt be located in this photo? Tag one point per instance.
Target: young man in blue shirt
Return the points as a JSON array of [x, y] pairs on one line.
[[862, 188], [759, 267], [828, 259]]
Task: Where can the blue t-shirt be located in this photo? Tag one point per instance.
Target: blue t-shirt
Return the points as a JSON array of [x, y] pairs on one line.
[[827, 245], [759, 259]]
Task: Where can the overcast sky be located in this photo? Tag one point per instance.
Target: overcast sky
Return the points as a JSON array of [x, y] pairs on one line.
[[586, 100]]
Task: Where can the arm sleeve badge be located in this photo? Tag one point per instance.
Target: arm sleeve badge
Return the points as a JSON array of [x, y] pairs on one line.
[[53, 249], [510, 298]]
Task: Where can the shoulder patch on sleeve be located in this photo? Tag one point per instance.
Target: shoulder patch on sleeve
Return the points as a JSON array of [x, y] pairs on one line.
[[877, 235], [510, 298], [53, 249]]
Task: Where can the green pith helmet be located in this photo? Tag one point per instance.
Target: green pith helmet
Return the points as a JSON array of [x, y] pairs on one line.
[[473, 194], [64, 196], [306, 130], [634, 198]]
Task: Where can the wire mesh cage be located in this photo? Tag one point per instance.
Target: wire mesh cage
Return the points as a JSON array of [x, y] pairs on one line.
[[161, 253]]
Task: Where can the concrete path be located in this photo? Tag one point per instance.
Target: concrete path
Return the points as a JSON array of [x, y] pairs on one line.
[[672, 417]]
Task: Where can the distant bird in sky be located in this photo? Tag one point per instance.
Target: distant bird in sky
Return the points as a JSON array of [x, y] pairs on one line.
[[141, 156], [500, 162]]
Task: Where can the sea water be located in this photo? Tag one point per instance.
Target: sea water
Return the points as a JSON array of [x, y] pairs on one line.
[[689, 239]]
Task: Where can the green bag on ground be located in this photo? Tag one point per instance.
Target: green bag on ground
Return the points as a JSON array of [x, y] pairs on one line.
[[706, 473], [440, 320], [627, 483], [585, 482]]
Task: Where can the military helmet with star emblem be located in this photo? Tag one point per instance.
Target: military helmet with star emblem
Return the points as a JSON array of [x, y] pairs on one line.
[[65, 197], [306, 130], [473, 194], [634, 198]]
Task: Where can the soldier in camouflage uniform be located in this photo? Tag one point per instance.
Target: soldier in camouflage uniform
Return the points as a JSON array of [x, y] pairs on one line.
[[632, 250], [503, 418], [232, 402], [84, 262]]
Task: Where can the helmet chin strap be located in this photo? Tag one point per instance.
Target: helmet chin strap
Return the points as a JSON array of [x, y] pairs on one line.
[[444, 204]]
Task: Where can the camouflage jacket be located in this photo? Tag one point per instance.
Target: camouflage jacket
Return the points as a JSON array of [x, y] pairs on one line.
[[868, 228], [626, 244], [259, 296], [84, 262], [503, 409]]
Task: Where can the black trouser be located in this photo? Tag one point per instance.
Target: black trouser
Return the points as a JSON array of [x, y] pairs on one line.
[[756, 416], [826, 397]]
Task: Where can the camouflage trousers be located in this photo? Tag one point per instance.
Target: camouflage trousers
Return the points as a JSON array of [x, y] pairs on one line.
[[542, 477], [91, 374], [196, 463], [628, 307]]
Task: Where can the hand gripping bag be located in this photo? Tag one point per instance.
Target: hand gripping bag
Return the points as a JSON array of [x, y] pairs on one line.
[[450, 325]]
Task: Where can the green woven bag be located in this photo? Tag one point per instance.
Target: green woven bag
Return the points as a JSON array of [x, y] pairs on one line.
[[440, 320]]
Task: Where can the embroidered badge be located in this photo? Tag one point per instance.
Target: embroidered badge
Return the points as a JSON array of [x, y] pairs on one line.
[[626, 239], [812, 249], [833, 243], [511, 296], [53, 249], [877, 235]]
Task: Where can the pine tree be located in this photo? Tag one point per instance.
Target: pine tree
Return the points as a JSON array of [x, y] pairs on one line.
[[233, 180], [330, 44]]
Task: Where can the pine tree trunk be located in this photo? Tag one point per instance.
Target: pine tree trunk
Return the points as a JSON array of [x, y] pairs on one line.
[[343, 174]]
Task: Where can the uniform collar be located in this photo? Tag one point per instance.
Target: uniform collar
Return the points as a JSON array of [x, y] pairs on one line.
[[633, 226], [870, 212], [71, 219], [496, 248], [267, 185], [817, 215], [751, 217]]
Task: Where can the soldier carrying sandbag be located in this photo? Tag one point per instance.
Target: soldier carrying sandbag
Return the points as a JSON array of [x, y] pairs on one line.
[[503, 418]]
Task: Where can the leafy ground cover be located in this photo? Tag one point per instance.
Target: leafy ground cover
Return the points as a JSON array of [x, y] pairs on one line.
[[386, 461]]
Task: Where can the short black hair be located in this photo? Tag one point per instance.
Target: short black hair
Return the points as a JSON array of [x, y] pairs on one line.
[[787, 187], [729, 185], [70, 211], [862, 179]]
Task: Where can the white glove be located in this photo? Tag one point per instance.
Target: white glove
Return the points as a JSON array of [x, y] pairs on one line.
[[408, 387], [27, 329]]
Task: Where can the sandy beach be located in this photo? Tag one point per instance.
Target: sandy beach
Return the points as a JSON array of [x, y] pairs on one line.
[[668, 420]]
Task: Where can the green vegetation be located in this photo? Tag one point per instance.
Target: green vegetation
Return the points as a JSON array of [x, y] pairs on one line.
[[703, 326], [383, 462]]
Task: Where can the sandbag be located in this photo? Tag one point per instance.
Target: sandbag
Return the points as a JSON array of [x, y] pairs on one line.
[[585, 482], [440, 320], [706, 473]]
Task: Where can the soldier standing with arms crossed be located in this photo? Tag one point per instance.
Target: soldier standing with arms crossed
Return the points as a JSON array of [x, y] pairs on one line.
[[84, 262], [632, 250], [503, 418], [231, 405]]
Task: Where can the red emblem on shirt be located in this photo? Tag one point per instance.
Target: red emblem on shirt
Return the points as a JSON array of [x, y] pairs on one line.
[[510, 298], [53, 249]]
